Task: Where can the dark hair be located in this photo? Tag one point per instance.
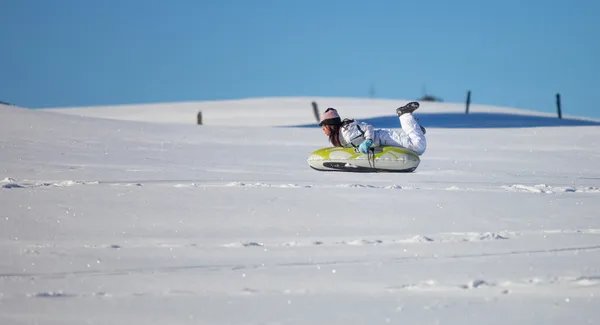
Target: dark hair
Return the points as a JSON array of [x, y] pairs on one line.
[[334, 136]]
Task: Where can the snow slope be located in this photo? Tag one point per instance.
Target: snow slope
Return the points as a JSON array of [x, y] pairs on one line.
[[295, 111], [126, 219]]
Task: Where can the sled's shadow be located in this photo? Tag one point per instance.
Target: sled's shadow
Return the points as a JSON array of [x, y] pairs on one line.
[[475, 120]]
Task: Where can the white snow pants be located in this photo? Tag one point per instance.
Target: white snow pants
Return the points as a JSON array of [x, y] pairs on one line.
[[410, 137]]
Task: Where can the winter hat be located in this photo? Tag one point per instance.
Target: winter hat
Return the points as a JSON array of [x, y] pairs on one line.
[[330, 117]]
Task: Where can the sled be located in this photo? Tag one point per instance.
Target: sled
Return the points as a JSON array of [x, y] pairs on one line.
[[379, 159]]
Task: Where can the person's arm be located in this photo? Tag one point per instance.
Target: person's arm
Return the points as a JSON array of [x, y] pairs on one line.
[[368, 134], [368, 130]]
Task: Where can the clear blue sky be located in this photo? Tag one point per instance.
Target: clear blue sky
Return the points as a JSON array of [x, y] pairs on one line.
[[517, 53]]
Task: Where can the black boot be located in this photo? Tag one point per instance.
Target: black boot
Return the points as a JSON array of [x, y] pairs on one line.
[[408, 108]]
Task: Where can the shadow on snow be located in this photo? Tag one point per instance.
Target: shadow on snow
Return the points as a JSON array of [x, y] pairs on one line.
[[474, 120]]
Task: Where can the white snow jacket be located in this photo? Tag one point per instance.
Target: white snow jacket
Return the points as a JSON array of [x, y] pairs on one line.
[[352, 134]]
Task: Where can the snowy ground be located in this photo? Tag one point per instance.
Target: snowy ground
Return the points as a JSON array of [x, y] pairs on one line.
[[112, 221]]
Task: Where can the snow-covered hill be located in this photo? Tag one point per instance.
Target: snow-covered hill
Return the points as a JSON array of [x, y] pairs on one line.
[[295, 111], [142, 217]]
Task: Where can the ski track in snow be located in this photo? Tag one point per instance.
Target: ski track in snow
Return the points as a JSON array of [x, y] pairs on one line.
[[499, 286], [542, 284], [496, 286], [451, 237], [587, 280], [11, 183]]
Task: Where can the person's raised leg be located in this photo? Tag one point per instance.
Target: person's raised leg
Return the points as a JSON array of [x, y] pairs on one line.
[[415, 134], [409, 109]]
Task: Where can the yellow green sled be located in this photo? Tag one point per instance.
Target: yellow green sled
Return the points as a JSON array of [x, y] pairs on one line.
[[379, 159]]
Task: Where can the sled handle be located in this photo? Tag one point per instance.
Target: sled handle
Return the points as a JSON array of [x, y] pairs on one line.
[[372, 149]]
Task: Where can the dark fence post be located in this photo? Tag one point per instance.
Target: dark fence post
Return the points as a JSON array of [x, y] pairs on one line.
[[199, 121], [316, 111], [468, 102], [558, 109]]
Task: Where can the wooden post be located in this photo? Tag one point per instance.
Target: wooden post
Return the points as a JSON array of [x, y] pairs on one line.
[[316, 111], [468, 102], [558, 108], [199, 120]]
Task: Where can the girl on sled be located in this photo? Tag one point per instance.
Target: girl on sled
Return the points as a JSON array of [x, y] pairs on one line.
[[361, 135]]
